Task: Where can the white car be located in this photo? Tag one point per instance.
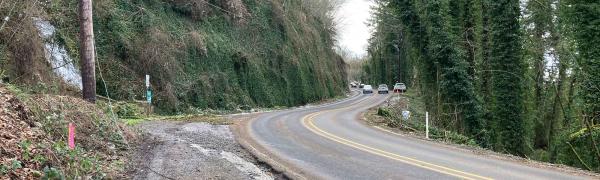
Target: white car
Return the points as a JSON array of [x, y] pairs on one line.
[[383, 89], [367, 89], [399, 88]]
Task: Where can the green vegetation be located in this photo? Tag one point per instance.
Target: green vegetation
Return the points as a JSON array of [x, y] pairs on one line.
[[515, 78], [391, 116], [229, 54], [506, 110], [38, 147]]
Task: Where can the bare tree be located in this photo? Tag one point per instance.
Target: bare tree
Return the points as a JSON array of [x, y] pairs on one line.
[[87, 50]]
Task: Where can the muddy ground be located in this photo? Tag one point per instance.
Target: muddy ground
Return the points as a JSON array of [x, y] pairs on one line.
[[194, 150]]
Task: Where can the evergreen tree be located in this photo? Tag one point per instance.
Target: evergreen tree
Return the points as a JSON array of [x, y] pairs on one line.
[[478, 75], [444, 49], [507, 76]]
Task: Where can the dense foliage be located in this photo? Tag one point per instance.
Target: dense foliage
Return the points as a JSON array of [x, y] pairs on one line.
[[520, 77], [200, 54]]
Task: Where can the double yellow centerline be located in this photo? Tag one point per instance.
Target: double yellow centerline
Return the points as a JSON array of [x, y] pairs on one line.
[[307, 121]]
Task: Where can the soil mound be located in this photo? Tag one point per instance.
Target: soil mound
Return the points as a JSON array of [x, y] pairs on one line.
[[17, 133]]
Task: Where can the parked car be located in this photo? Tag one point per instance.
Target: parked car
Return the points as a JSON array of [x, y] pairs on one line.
[[353, 85], [367, 89], [361, 85], [399, 88], [383, 89]]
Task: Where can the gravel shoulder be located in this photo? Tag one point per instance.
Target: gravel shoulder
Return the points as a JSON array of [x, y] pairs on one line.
[[194, 150]]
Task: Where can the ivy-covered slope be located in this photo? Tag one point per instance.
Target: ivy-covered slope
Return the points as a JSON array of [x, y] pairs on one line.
[[209, 54]]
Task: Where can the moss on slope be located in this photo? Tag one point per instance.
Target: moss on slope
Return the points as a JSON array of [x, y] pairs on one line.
[[208, 54]]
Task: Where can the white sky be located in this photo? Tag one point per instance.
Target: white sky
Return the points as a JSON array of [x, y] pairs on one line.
[[353, 32]]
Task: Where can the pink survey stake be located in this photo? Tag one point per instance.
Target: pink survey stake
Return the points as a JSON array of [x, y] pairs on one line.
[[71, 136]]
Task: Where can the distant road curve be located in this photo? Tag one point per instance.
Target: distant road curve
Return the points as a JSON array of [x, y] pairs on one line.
[[329, 142]]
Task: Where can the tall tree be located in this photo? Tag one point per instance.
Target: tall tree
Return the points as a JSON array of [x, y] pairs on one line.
[[584, 18], [507, 76], [481, 15], [87, 50], [467, 17], [445, 51], [540, 21]]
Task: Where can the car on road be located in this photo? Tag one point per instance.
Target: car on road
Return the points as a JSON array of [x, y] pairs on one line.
[[353, 85], [383, 89], [367, 89], [399, 88], [361, 85]]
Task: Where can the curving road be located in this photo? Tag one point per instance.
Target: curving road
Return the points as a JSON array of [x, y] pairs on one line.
[[329, 142]]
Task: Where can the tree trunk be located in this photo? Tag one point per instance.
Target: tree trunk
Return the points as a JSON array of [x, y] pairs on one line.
[[87, 50]]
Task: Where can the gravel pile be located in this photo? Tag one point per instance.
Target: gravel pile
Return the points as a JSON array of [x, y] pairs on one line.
[[198, 150]]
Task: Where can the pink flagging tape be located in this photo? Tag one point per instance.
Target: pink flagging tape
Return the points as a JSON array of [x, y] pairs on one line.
[[71, 136]]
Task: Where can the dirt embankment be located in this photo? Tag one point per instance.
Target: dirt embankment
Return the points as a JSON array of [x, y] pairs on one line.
[[17, 130], [33, 138]]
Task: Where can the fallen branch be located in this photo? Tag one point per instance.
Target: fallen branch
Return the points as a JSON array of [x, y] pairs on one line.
[[593, 141], [579, 157]]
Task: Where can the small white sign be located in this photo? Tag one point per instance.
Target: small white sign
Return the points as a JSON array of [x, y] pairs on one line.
[[405, 115], [147, 81]]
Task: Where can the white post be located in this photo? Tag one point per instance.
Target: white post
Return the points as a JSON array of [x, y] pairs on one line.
[[148, 93], [148, 96], [147, 81], [427, 125]]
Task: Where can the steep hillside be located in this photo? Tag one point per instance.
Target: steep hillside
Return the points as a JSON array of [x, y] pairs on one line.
[[201, 54]]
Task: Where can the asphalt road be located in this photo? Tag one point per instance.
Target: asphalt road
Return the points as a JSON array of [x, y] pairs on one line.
[[329, 142]]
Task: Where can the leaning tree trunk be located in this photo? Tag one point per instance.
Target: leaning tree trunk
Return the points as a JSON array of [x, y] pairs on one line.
[[87, 50]]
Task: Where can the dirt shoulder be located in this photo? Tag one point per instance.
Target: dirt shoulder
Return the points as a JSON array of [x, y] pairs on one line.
[[194, 150]]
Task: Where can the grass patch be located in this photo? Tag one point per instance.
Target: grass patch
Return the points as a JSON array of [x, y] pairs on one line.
[[211, 119]]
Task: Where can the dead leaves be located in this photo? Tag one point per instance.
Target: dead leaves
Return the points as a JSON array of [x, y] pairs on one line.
[[16, 135]]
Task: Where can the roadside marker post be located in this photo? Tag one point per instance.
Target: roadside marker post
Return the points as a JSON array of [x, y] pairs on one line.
[[71, 137], [427, 125], [148, 96], [147, 81]]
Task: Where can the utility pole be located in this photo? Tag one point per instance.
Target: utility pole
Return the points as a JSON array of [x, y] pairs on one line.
[[87, 50]]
